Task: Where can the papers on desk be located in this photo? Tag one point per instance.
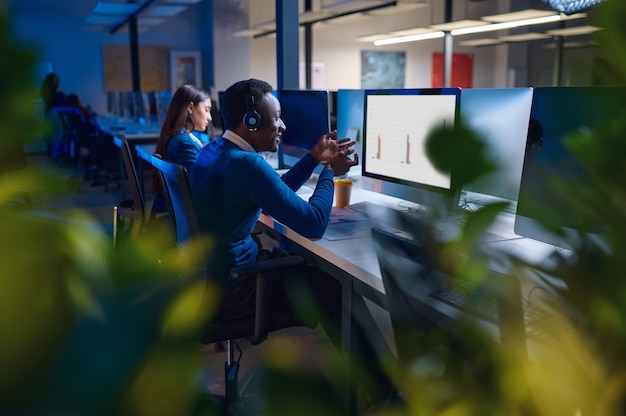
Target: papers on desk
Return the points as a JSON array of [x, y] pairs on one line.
[[346, 215], [346, 223]]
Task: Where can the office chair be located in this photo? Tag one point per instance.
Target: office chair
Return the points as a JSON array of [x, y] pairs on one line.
[[179, 198], [423, 320], [133, 209]]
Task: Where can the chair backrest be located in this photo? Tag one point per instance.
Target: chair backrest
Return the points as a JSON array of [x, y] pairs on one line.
[[75, 123], [131, 173], [179, 198]]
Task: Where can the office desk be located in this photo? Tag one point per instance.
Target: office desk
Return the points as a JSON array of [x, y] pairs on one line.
[[353, 260]]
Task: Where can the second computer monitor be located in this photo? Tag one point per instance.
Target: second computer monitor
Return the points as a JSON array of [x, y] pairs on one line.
[[397, 123], [499, 116], [307, 117], [552, 174]]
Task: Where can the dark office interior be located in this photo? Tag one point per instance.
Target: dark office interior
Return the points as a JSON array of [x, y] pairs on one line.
[[480, 253]]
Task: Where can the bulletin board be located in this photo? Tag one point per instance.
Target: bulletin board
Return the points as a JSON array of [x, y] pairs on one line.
[[153, 68]]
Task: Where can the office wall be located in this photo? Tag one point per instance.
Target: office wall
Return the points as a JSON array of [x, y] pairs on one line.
[[336, 47], [504, 65], [75, 53], [232, 54]]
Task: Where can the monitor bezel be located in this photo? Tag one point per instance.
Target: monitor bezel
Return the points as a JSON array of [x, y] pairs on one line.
[[450, 192]]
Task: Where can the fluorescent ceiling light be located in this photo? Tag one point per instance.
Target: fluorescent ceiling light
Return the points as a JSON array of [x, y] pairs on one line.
[[480, 42], [410, 32], [524, 37], [461, 24], [573, 31], [506, 25], [411, 38], [115, 8], [519, 15]]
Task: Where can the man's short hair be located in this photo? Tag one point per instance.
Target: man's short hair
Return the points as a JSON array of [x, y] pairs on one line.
[[235, 103]]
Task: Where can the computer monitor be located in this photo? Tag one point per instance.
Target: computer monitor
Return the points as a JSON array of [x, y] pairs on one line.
[[499, 116], [396, 125], [307, 117], [557, 112], [350, 104]]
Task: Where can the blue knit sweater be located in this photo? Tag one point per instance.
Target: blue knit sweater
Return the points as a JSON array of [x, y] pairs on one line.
[[232, 187]]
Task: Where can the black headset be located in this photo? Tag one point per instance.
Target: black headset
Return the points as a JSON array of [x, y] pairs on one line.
[[251, 119]]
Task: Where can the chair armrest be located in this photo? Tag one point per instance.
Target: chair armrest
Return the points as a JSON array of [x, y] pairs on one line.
[[263, 271]]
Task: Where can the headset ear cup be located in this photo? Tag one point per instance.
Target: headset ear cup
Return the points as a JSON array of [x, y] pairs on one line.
[[251, 120]]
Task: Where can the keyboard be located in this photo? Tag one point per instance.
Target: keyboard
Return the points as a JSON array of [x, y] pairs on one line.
[[468, 297], [479, 302]]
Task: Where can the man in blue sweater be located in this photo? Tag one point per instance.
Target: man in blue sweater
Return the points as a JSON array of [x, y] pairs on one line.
[[233, 183]]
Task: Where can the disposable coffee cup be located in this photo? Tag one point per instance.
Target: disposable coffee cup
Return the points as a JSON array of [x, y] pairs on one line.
[[343, 189]]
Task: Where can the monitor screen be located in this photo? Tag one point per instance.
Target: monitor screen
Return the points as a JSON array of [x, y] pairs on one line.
[[499, 116], [350, 118], [307, 117], [556, 113], [396, 125]]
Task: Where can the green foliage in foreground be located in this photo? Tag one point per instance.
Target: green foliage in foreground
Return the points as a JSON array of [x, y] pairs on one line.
[[88, 329]]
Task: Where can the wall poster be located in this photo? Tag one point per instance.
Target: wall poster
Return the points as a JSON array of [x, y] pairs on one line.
[[185, 68], [382, 69]]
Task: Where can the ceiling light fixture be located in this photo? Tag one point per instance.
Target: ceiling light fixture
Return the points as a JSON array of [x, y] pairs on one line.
[[410, 38], [506, 25]]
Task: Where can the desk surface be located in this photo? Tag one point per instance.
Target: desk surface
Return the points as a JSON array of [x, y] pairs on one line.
[[129, 128], [355, 253]]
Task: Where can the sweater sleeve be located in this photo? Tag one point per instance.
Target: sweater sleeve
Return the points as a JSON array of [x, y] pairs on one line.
[[300, 172], [183, 151], [276, 198]]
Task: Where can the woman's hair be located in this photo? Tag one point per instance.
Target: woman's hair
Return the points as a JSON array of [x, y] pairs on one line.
[[236, 100], [177, 117], [176, 120]]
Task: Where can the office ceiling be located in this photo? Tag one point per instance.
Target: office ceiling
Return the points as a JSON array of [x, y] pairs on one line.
[[106, 14]]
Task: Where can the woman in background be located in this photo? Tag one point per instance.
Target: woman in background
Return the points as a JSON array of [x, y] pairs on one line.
[[189, 112], [51, 93]]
